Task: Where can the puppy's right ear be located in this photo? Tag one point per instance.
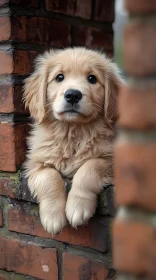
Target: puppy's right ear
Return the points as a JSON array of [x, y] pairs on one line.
[[35, 87]]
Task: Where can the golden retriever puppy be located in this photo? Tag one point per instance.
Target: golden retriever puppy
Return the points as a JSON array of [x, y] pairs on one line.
[[72, 97]]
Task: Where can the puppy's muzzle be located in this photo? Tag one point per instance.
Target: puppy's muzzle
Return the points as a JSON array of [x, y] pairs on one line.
[[73, 96]]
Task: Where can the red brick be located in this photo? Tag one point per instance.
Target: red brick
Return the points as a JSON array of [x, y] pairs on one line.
[[140, 6], [20, 134], [47, 32], [28, 259], [104, 11], [3, 2], [30, 29], [12, 145], [140, 47], [135, 174], [3, 278], [18, 28], [11, 99], [6, 98], [7, 187], [83, 8], [134, 247], [75, 8], [61, 36], [6, 65], [92, 38], [20, 62], [93, 236], [5, 28], [37, 30], [77, 267], [23, 61], [43, 31], [1, 218], [141, 114], [19, 106]]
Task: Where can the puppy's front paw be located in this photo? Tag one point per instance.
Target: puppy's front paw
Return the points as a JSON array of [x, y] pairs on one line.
[[79, 210], [53, 217]]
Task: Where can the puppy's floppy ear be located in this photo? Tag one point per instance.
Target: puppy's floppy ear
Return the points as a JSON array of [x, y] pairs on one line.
[[112, 84], [35, 86]]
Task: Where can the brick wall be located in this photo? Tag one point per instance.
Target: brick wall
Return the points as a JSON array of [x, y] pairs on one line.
[[135, 152], [26, 250]]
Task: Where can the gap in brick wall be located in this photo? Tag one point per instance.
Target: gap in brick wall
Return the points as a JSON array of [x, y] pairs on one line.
[[9, 118]]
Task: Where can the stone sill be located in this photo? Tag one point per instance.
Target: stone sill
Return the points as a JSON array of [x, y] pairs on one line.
[[14, 185], [105, 205]]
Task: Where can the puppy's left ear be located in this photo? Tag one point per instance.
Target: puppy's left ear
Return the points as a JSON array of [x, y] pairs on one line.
[[35, 87], [112, 85]]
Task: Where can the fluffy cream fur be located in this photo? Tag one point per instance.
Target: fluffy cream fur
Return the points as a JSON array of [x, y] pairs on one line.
[[75, 145]]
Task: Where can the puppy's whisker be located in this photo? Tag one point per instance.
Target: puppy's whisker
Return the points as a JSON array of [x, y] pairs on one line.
[[47, 104], [99, 110], [97, 105]]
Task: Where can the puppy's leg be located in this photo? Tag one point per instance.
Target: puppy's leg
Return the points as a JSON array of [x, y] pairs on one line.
[[46, 183], [87, 184]]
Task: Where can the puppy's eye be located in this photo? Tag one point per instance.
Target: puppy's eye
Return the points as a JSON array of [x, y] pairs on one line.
[[92, 79], [59, 78]]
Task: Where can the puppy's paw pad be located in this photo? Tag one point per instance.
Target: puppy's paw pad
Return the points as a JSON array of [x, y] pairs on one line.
[[79, 210]]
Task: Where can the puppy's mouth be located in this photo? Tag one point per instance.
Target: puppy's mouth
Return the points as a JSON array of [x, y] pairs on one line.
[[72, 111]]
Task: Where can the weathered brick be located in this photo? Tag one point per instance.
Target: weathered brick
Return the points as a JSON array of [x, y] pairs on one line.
[[61, 36], [28, 259], [18, 62], [138, 49], [19, 106], [30, 29], [37, 30], [18, 28], [6, 65], [11, 99], [12, 145], [75, 8], [23, 61], [140, 6], [135, 174], [7, 148], [20, 134], [104, 11], [3, 278], [47, 32], [134, 247], [5, 28], [1, 218], [3, 2], [44, 31], [83, 8], [77, 267], [6, 98], [92, 37], [8, 185], [141, 113], [95, 235]]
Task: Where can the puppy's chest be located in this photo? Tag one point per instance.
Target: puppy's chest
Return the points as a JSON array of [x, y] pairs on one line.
[[68, 154]]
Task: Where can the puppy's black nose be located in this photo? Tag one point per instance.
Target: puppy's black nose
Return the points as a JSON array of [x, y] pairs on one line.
[[73, 96]]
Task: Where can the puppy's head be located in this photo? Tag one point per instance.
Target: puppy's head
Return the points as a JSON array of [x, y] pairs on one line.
[[73, 85]]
